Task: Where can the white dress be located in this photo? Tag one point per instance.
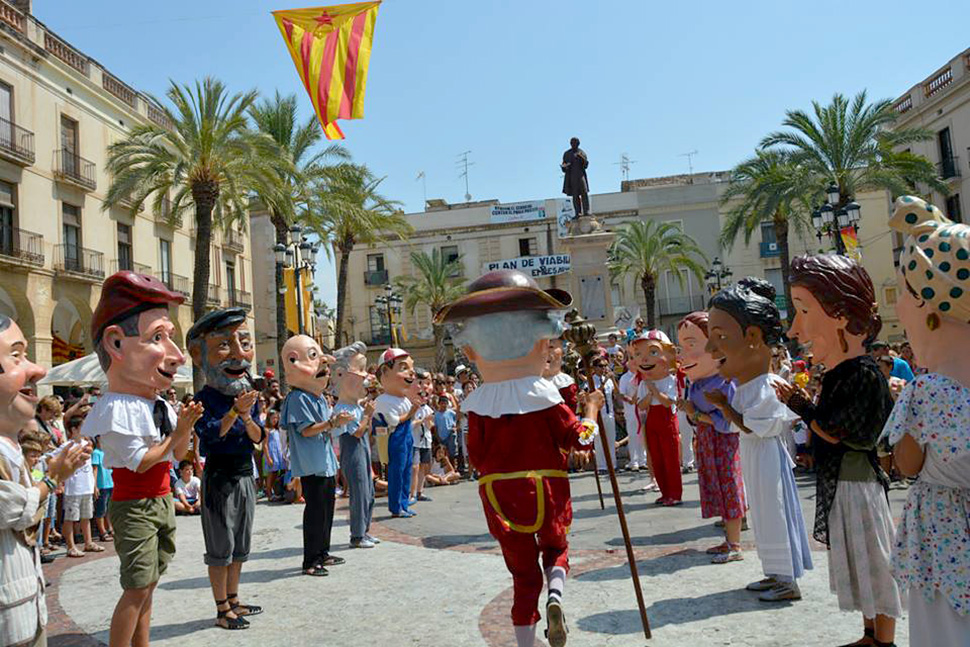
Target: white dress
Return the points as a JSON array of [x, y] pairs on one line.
[[636, 447], [774, 510], [609, 423]]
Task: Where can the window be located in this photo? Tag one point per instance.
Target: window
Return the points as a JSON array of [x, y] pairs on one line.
[[528, 246], [890, 296], [231, 278], [898, 245], [768, 233], [124, 247], [375, 262], [380, 330], [165, 261], [450, 254], [7, 138], [71, 224], [953, 208], [948, 167], [7, 222], [69, 146]]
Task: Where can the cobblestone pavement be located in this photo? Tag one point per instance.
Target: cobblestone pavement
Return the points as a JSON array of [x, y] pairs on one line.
[[438, 579]]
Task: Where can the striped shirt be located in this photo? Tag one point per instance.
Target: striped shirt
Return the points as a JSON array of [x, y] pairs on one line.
[[22, 607]]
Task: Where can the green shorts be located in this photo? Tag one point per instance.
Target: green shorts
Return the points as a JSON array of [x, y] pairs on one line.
[[144, 538]]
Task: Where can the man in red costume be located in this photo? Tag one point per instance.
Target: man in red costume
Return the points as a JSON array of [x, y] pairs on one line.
[[519, 436], [140, 436]]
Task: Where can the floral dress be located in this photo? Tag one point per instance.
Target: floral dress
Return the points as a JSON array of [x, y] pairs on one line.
[[932, 549], [718, 456]]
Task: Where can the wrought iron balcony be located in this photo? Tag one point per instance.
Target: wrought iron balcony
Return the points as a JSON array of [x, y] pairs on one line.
[[769, 250], [79, 262], [18, 246], [682, 305], [16, 143], [376, 278], [164, 217], [241, 299], [213, 296], [949, 167], [177, 283], [234, 240], [71, 167]]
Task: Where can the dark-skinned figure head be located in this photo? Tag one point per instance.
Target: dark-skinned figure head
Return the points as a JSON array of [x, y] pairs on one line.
[[743, 325]]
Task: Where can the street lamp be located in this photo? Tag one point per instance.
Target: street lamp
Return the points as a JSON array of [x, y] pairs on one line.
[[716, 275], [298, 254], [833, 216], [392, 306]]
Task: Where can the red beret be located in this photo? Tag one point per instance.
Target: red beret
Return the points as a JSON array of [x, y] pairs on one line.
[[127, 293]]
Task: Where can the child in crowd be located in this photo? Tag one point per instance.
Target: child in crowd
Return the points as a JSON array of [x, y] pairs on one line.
[[442, 470], [105, 485], [274, 463], [421, 431], [79, 495], [188, 487], [445, 423]]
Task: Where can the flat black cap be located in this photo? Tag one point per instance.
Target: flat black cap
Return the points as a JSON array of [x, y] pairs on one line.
[[215, 320]]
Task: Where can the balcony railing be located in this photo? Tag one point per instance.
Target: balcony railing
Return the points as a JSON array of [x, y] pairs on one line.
[[213, 296], [241, 299], [904, 105], [949, 167], [118, 265], [682, 305], [79, 261], [21, 245], [164, 216], [233, 240], [938, 82], [375, 278], [66, 53], [12, 17], [158, 115], [177, 283], [71, 167], [119, 89], [16, 143], [769, 250]]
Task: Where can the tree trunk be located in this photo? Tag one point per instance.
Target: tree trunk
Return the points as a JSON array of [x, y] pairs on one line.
[[282, 332], [649, 286], [440, 352], [781, 237], [345, 248], [204, 194]]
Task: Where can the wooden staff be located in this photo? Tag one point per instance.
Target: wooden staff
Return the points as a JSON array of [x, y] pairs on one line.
[[596, 475], [583, 336]]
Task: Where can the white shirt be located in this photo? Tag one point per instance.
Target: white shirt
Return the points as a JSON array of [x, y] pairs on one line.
[[421, 427], [126, 427], [609, 406], [81, 482], [388, 412], [190, 490], [11, 452], [667, 386]]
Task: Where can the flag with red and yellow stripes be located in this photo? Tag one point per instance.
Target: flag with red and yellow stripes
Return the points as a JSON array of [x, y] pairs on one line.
[[331, 49]]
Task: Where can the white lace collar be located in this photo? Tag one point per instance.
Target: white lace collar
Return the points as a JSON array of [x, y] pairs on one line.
[[522, 395], [562, 380]]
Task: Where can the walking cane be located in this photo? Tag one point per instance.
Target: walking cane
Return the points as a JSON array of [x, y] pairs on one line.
[[596, 475], [582, 335]]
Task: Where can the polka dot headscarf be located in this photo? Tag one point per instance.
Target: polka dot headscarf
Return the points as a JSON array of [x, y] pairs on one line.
[[936, 257]]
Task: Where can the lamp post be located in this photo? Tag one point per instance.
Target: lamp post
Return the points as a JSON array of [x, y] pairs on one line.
[[298, 254], [716, 275], [832, 217], [392, 304]]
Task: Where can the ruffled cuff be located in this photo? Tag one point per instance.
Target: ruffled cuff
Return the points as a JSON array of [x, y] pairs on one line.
[[589, 431]]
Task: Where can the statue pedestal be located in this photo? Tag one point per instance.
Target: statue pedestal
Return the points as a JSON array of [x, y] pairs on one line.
[[584, 225], [589, 280]]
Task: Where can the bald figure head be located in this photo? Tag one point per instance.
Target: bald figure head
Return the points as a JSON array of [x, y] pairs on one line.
[[305, 364]]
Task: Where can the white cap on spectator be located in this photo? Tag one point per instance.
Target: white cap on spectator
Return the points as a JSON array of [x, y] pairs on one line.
[[461, 368]]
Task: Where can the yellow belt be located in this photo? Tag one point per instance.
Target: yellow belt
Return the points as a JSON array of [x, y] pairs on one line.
[[537, 476]]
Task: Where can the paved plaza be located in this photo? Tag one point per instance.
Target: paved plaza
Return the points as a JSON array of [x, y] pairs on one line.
[[438, 580]]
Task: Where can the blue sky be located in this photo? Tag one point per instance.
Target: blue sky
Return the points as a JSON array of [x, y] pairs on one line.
[[512, 80]]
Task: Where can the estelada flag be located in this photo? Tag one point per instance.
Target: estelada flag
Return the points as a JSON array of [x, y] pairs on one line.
[[331, 49]]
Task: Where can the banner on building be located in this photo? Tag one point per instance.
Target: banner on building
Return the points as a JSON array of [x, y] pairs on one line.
[[564, 215], [518, 212], [534, 266]]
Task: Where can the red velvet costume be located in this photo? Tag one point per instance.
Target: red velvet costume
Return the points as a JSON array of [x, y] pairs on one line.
[[521, 459]]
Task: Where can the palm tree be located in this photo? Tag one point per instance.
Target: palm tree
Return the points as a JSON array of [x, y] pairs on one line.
[[208, 160], [646, 249], [348, 210], [855, 146], [768, 188], [436, 284], [295, 168]]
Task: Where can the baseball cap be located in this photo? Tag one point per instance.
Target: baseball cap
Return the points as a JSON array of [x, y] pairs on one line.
[[391, 355]]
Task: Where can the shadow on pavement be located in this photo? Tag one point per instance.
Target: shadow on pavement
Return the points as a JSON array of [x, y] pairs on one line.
[[676, 537], [648, 567], [248, 577], [675, 611], [448, 541], [177, 630]]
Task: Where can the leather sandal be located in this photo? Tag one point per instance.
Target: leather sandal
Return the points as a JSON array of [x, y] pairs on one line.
[[224, 621], [243, 609]]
